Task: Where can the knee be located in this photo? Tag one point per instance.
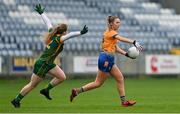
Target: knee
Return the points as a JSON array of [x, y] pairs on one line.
[[63, 78], [120, 79]]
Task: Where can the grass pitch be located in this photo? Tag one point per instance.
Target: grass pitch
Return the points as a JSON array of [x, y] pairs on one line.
[[153, 95]]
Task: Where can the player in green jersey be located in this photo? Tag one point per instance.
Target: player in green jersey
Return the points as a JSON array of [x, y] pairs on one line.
[[45, 64]]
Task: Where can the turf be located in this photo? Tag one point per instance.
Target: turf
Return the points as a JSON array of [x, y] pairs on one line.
[[152, 95]]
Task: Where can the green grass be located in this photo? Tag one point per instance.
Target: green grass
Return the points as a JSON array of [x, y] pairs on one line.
[[152, 95]]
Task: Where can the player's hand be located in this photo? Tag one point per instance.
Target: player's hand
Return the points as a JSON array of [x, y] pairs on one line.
[[137, 45], [84, 30], [127, 55], [39, 8]]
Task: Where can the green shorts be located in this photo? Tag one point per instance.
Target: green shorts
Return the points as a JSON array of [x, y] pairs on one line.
[[41, 68]]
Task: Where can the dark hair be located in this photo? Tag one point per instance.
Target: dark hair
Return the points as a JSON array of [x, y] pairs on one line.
[[60, 29]]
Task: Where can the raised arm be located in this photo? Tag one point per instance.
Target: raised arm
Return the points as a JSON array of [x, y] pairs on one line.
[[40, 9], [74, 34]]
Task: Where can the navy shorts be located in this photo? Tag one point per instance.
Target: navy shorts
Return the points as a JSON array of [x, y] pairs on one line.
[[105, 62]]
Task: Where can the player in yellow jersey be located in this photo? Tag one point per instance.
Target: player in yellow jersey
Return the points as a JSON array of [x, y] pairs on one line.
[[106, 63], [45, 64]]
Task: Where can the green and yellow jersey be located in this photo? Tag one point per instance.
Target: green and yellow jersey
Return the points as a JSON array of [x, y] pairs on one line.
[[52, 50], [46, 60]]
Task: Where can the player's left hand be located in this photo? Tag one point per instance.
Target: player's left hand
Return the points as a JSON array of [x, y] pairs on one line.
[[137, 45], [39, 8], [84, 30]]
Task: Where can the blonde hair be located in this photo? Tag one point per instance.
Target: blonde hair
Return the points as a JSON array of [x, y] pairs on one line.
[[60, 29]]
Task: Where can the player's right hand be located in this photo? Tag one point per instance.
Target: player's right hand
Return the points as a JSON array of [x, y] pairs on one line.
[[39, 8], [84, 30]]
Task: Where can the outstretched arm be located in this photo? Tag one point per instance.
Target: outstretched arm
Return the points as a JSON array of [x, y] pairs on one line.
[[74, 34], [134, 42], [40, 9], [124, 39]]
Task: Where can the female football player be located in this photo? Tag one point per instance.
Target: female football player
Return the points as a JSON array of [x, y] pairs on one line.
[[106, 63], [45, 64]]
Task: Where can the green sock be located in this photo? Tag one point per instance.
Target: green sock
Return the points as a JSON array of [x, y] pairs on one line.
[[49, 86], [19, 97]]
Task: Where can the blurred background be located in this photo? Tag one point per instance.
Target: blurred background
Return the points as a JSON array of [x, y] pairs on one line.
[[152, 79], [154, 23]]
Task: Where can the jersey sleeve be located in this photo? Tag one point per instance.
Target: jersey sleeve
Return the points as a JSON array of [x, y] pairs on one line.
[[112, 34]]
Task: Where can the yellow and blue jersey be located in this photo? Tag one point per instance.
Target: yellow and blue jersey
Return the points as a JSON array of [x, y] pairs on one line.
[[108, 46], [109, 41]]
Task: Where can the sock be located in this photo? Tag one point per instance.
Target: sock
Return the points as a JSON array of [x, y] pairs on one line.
[[123, 98], [49, 86], [81, 90], [19, 97]]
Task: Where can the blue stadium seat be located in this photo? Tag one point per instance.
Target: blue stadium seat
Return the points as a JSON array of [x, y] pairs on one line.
[[141, 20]]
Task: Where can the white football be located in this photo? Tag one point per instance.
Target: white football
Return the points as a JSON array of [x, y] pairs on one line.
[[133, 52]]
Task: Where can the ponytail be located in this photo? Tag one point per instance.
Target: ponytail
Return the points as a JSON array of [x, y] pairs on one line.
[[60, 29]]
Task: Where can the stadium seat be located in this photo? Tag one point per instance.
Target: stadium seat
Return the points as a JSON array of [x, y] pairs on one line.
[[22, 28]]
